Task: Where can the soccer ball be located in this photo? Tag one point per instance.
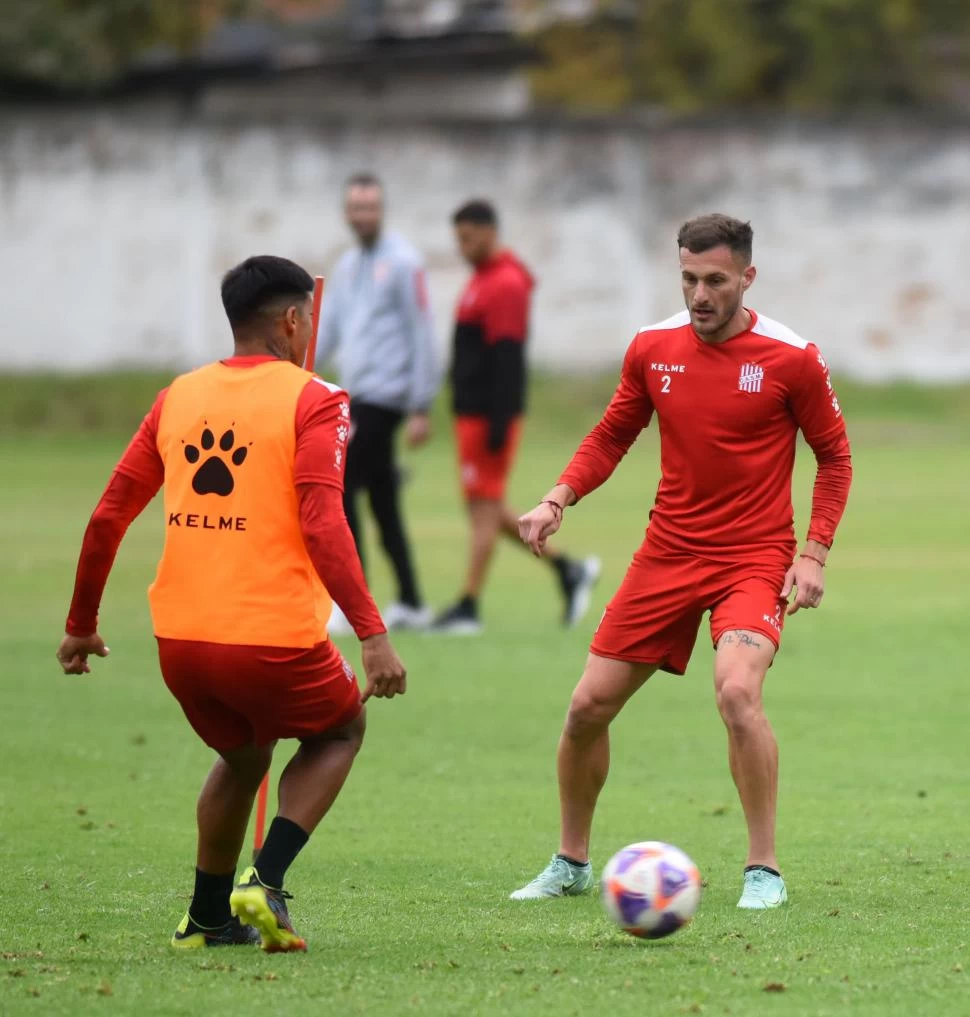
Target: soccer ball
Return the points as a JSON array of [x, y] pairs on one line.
[[651, 889]]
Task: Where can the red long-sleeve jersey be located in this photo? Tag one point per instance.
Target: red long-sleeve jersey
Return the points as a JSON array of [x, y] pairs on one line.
[[728, 414], [140, 473]]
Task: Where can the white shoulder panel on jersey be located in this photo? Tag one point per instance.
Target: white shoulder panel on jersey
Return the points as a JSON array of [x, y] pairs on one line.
[[772, 329], [675, 321], [327, 384]]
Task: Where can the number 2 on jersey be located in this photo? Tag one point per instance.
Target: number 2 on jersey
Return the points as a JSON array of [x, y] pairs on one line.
[[665, 383]]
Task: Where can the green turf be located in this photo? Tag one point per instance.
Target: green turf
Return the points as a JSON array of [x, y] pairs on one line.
[[402, 892]]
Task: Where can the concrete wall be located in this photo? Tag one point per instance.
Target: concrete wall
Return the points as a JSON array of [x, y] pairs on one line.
[[116, 223]]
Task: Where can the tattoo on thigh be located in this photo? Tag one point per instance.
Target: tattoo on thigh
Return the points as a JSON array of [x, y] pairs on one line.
[[739, 638]]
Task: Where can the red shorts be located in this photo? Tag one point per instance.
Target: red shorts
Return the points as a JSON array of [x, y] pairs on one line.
[[239, 695], [484, 473], [657, 611]]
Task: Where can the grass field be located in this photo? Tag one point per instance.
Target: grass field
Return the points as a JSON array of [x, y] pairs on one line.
[[402, 892]]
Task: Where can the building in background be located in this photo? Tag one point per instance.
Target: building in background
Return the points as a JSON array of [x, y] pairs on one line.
[[235, 136]]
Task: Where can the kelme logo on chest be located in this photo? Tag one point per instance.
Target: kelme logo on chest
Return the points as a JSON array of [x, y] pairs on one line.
[[203, 521], [214, 476]]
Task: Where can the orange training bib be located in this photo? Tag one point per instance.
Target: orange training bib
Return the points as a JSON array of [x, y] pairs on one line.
[[235, 568]]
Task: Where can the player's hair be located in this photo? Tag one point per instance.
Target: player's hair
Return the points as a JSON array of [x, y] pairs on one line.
[[363, 178], [250, 288], [478, 211], [709, 231]]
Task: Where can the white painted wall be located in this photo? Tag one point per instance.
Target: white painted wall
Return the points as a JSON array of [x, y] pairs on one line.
[[116, 224]]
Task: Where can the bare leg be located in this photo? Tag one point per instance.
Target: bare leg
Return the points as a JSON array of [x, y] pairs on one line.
[[314, 776], [225, 804], [486, 521], [584, 747], [740, 667]]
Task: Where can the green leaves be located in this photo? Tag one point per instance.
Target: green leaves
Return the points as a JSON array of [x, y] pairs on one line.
[[810, 54], [85, 44]]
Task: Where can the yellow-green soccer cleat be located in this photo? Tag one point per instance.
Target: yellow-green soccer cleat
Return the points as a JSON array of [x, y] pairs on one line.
[[264, 908], [189, 936]]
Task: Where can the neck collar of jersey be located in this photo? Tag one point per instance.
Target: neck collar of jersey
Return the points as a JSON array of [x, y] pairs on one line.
[[249, 360]]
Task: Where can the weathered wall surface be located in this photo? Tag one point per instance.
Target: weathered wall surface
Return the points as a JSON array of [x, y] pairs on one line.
[[116, 223]]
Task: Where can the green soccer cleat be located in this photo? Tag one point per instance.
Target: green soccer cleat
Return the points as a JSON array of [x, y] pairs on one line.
[[558, 879], [189, 936], [264, 908], [762, 890]]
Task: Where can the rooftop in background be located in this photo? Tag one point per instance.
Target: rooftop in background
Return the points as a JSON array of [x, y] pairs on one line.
[[294, 35]]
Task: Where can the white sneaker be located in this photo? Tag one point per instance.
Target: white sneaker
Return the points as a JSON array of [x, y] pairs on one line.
[[578, 588], [403, 616], [338, 624], [558, 879]]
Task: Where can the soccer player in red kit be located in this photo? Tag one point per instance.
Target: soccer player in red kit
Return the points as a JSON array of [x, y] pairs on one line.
[[488, 390], [251, 453], [730, 389]]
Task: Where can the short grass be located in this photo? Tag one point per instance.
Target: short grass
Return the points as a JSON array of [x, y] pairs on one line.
[[401, 893]]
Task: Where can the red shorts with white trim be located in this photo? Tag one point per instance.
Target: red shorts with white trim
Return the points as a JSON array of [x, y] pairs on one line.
[[239, 695], [656, 614], [484, 473]]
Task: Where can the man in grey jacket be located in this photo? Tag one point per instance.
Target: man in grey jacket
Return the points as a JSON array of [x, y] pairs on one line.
[[377, 325]]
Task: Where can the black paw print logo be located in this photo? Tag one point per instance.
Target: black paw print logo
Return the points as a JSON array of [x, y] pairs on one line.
[[214, 476]]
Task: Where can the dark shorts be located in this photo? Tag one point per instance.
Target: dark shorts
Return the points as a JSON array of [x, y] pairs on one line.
[[656, 613], [239, 695], [484, 473]]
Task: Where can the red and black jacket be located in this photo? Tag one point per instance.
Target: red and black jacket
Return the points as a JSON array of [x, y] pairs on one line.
[[488, 370]]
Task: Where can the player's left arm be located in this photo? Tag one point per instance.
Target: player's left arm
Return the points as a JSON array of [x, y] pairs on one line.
[[323, 424], [816, 410], [506, 324], [135, 481]]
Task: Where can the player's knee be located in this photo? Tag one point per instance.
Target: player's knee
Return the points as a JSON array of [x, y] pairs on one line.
[[588, 715], [739, 698], [249, 765], [353, 733]]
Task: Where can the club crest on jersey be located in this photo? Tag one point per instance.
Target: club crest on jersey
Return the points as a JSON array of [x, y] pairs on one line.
[[750, 378]]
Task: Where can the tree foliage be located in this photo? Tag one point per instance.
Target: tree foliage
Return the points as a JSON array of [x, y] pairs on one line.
[[809, 54], [87, 43]]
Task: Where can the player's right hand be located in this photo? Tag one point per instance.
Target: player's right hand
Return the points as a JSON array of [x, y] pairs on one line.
[[537, 526], [74, 651], [384, 673]]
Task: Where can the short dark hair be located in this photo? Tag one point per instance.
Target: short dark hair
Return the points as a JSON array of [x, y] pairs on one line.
[[363, 178], [477, 211], [251, 287], [708, 231]]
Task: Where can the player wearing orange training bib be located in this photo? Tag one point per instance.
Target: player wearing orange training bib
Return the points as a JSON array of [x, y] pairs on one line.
[[250, 452], [730, 390]]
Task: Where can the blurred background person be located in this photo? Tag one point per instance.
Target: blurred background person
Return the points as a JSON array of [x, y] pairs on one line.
[[488, 386], [377, 326]]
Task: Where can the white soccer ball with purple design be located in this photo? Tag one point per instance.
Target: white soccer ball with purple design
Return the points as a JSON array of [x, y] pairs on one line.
[[651, 889]]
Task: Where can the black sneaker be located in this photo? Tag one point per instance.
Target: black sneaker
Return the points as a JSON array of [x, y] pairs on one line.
[[264, 908], [189, 936], [459, 620], [576, 581]]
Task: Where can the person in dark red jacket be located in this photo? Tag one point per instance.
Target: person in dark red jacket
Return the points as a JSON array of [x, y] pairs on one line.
[[488, 381]]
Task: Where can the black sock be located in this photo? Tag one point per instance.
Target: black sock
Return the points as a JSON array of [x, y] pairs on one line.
[[468, 603], [572, 861], [762, 868], [563, 566], [283, 843], [210, 902]]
